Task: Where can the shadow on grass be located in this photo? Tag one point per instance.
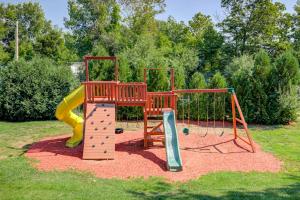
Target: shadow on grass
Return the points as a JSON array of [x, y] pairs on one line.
[[20, 150], [289, 192]]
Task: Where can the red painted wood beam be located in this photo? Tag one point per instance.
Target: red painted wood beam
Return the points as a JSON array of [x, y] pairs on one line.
[[100, 58], [222, 90], [160, 93]]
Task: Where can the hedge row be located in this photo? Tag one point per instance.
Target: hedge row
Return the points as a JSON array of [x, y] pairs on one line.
[[31, 90]]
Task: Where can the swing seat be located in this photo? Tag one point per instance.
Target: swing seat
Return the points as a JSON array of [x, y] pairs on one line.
[[119, 130], [186, 131]]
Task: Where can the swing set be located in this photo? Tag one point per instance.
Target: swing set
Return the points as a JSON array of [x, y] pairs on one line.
[[185, 105], [158, 102]]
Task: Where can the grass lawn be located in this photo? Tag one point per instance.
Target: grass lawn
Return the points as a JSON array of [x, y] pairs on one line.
[[18, 180]]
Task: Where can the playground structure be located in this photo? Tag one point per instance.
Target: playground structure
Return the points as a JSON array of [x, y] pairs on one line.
[[101, 98]]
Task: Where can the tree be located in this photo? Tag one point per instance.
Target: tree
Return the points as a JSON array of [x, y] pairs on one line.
[[142, 18], [282, 90], [198, 81], [36, 34], [217, 101], [52, 45], [183, 57], [199, 102], [176, 32], [93, 23], [198, 26], [240, 75], [286, 70], [210, 51], [142, 55], [261, 72], [207, 42], [235, 66], [218, 81], [267, 93], [296, 29], [248, 27], [4, 56]]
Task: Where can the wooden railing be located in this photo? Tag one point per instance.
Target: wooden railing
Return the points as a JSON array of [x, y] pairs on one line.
[[134, 92], [157, 101], [104, 90], [114, 92]]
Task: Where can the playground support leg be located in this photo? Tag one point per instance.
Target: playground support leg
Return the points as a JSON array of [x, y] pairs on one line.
[[243, 122], [233, 117], [145, 128]]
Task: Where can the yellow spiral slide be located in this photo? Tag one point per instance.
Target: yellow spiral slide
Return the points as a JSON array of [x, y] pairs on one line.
[[64, 113]]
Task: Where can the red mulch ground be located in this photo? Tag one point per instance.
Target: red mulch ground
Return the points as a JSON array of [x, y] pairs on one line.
[[200, 155]]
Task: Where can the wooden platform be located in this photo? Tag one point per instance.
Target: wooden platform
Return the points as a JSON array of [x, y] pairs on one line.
[[99, 131]]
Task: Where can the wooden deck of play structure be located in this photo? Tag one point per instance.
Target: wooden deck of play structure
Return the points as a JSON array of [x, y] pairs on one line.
[[131, 94], [128, 94], [123, 94]]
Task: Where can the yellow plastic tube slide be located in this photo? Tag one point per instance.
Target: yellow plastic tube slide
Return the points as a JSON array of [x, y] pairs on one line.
[[64, 113]]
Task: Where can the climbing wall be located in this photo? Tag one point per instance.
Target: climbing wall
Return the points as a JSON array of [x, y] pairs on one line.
[[99, 132]]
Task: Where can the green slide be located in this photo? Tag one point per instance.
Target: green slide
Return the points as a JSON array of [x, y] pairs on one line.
[[174, 162]]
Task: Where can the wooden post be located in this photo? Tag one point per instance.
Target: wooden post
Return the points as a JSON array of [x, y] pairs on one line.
[[172, 80], [243, 122], [85, 101], [116, 69], [145, 75], [145, 127], [233, 117], [86, 70]]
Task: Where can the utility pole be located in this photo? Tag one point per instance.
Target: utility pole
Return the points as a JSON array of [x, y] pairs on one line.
[[17, 41]]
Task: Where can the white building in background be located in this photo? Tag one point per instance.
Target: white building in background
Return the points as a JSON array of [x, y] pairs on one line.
[[76, 67]]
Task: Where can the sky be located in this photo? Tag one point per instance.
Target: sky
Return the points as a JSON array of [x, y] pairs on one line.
[[181, 10]]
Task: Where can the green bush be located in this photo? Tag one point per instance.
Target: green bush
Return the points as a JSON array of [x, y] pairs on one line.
[[286, 71], [31, 90], [282, 89], [245, 61], [250, 81], [261, 72], [199, 102], [266, 93], [217, 101], [217, 81]]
